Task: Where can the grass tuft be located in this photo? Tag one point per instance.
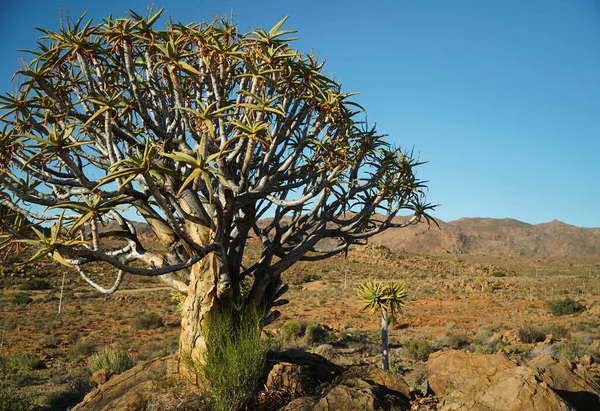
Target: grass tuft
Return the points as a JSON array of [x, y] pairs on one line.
[[235, 360], [114, 361]]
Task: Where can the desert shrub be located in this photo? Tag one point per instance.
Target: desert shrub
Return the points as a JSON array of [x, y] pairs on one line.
[[73, 337], [316, 333], [51, 341], [498, 274], [147, 321], [418, 380], [290, 330], [17, 362], [531, 334], [83, 347], [114, 361], [12, 399], [10, 324], [35, 284], [587, 326], [77, 385], [564, 307], [543, 349], [457, 341], [306, 278], [418, 349], [235, 359], [484, 343], [21, 299], [571, 350], [558, 331]]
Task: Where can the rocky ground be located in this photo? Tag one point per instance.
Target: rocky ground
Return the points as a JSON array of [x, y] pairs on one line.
[[490, 315]]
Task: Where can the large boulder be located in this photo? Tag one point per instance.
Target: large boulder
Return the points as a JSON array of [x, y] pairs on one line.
[[299, 372], [466, 381], [128, 391], [574, 387], [360, 388]]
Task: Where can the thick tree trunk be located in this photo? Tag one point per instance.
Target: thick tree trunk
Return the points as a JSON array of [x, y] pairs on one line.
[[209, 287], [385, 359], [200, 301]]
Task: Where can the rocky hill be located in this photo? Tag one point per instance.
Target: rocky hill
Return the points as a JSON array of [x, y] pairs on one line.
[[487, 236], [492, 236]]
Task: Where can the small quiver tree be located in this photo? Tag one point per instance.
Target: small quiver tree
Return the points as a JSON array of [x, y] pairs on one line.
[[389, 299], [202, 132]]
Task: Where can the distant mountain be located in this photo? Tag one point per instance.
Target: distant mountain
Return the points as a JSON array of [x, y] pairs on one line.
[[488, 236], [494, 236]]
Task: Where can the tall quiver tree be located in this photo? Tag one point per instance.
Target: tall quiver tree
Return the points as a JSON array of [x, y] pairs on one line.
[[203, 132], [388, 298]]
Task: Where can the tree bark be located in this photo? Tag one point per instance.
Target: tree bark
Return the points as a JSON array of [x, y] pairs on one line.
[[209, 288], [200, 301], [385, 359]]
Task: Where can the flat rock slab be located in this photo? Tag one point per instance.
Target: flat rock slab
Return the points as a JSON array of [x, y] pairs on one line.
[[128, 391]]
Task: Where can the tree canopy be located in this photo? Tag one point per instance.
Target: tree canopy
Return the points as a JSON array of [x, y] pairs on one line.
[[208, 135]]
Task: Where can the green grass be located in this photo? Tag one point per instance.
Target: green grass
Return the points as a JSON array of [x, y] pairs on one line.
[[114, 361], [17, 362], [235, 360], [12, 399]]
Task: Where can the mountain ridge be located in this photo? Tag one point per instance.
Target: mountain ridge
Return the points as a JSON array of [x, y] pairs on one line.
[[494, 236]]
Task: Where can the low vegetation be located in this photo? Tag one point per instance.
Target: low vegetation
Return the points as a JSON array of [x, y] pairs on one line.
[[235, 361], [564, 306], [531, 334], [114, 361], [148, 321], [445, 311]]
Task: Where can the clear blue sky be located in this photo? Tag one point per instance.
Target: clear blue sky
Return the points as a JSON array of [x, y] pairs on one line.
[[502, 97]]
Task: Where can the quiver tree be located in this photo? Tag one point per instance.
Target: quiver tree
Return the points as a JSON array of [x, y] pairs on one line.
[[389, 299], [201, 132]]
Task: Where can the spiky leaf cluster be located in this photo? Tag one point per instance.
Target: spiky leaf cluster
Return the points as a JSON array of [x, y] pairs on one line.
[[377, 295]]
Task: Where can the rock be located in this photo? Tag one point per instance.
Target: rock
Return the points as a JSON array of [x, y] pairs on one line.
[[586, 360], [450, 371], [326, 351], [100, 376], [351, 394], [566, 363], [128, 391], [292, 378], [510, 337], [358, 388], [577, 389], [376, 375], [488, 382], [299, 372]]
